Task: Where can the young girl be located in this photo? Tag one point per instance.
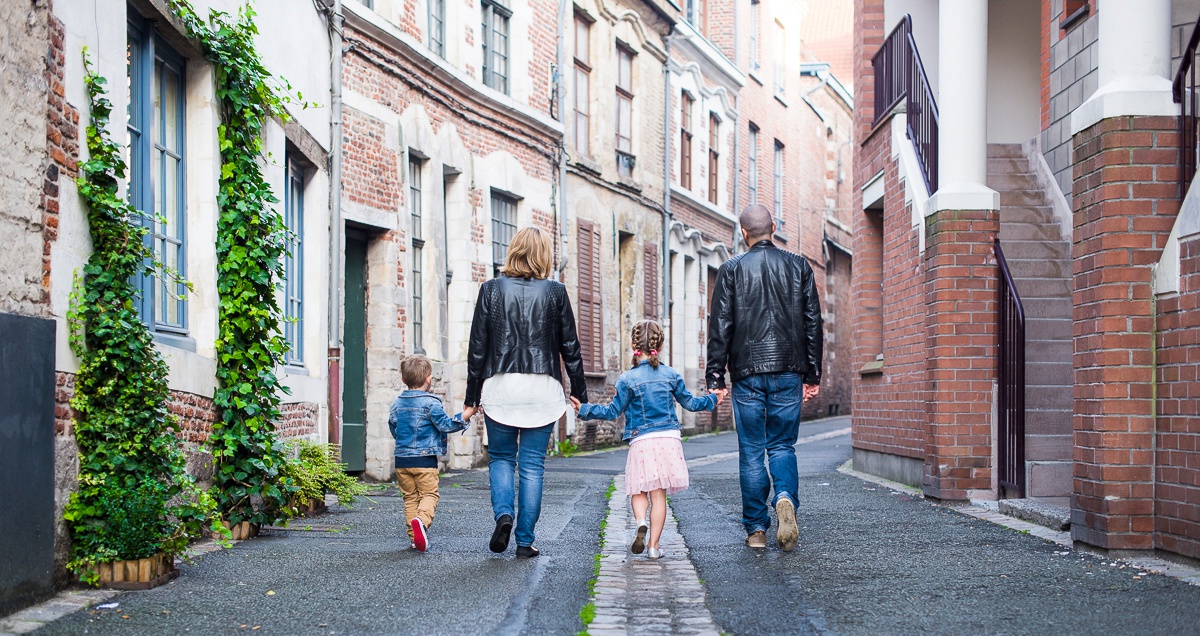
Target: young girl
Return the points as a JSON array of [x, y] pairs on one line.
[[646, 394]]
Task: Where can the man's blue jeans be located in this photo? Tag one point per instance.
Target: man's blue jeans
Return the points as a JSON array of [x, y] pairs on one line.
[[767, 411], [511, 449]]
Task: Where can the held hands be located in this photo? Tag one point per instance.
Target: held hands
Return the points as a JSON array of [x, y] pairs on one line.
[[721, 393], [811, 391], [469, 411], [575, 403]]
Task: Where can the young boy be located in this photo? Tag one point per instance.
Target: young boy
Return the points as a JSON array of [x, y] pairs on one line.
[[420, 424]]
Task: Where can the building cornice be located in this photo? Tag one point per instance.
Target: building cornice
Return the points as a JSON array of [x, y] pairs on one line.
[[411, 50], [615, 15], [712, 61], [728, 107], [704, 206]]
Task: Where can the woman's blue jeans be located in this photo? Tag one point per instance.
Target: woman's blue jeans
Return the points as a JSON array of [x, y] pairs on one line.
[[521, 451], [767, 411]]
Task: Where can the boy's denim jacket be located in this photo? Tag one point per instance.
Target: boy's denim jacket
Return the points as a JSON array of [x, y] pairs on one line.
[[419, 423], [647, 397]]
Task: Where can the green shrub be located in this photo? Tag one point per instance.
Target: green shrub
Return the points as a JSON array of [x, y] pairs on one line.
[[314, 469]]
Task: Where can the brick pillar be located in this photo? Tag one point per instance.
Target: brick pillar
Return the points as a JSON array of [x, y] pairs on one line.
[[1126, 199], [960, 344]]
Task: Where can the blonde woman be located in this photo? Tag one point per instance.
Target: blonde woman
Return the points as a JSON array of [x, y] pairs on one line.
[[523, 324]]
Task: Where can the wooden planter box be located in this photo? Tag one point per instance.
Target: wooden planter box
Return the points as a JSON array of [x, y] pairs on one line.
[[138, 574], [310, 508], [243, 530]]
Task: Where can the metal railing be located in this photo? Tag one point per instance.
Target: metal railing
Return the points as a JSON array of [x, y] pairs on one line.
[[1184, 92], [900, 75], [1010, 434]]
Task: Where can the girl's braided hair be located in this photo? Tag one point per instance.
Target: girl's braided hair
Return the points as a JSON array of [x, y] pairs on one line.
[[647, 340]]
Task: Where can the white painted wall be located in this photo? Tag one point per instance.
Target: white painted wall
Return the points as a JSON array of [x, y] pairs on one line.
[[1014, 71], [294, 44], [925, 31]]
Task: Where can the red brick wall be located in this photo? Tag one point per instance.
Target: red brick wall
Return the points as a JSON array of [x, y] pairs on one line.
[[1177, 476], [62, 144], [1126, 200], [888, 293], [960, 346]]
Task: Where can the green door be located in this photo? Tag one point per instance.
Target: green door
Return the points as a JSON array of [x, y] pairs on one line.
[[354, 344]]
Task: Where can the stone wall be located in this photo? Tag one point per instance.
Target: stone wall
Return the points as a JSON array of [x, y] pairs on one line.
[[29, 61]]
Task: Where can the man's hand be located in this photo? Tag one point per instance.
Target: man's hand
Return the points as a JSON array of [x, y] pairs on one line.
[[575, 403], [469, 412], [811, 391], [721, 393]]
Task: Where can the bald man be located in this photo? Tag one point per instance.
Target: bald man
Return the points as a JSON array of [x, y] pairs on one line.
[[765, 326]]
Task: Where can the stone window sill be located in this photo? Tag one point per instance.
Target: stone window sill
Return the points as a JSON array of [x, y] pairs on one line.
[[874, 367]]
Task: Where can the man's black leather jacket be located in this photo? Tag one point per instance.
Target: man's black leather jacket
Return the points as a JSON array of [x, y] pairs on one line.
[[765, 317], [523, 326]]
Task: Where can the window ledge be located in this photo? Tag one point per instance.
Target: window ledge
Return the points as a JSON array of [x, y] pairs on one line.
[[754, 76], [596, 375], [293, 368], [1075, 19], [781, 236], [874, 367], [187, 343], [586, 164], [780, 100]]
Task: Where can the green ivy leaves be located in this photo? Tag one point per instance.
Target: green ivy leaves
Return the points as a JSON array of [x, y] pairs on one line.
[[135, 497], [251, 241]]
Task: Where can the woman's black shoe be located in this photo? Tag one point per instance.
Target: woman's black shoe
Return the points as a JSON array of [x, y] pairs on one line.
[[527, 551], [499, 541]]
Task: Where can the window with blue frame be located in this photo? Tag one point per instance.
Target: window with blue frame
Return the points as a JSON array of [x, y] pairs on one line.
[[156, 171], [293, 218]]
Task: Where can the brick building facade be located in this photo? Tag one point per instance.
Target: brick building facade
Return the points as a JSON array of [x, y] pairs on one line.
[[1061, 154]]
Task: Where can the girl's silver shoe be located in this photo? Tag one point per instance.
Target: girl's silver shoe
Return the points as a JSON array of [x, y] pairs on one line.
[[654, 553]]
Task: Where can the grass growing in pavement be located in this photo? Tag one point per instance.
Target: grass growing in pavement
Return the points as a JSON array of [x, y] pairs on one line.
[[588, 613]]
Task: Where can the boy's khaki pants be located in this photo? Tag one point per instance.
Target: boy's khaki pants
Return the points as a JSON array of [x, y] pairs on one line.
[[420, 489]]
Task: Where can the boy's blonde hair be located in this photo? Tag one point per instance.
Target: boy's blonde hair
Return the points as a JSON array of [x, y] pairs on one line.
[[415, 370], [530, 254], [647, 339]]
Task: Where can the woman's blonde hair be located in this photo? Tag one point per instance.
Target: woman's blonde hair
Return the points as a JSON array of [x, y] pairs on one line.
[[530, 254]]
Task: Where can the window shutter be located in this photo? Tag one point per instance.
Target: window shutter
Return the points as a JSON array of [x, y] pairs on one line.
[[591, 335], [650, 267]]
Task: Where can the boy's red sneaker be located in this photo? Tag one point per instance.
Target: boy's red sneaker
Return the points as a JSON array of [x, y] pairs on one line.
[[420, 539]]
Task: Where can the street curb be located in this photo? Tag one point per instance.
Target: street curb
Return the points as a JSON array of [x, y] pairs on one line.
[[1156, 565]]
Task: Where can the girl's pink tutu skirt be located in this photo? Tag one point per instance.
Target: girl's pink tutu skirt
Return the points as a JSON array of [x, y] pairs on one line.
[[656, 463]]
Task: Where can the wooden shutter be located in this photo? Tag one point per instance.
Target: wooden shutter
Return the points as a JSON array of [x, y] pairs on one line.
[[650, 293], [591, 332]]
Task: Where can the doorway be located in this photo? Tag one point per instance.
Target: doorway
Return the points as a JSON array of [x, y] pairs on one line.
[[354, 343]]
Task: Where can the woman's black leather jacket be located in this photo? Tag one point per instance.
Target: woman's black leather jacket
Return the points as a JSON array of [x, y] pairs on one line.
[[523, 326]]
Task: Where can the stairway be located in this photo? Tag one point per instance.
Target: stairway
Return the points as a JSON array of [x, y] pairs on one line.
[[1040, 262]]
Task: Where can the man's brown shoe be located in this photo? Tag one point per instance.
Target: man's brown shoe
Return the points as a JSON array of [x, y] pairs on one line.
[[757, 539], [787, 533]]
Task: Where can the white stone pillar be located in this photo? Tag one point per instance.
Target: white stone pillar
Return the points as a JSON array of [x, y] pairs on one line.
[[1134, 63], [962, 108]]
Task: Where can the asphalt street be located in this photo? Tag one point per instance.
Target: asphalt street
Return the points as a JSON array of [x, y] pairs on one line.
[[870, 561]]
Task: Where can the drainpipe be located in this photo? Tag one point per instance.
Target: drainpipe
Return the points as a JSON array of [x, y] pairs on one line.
[[336, 24], [561, 99], [737, 230], [666, 214]]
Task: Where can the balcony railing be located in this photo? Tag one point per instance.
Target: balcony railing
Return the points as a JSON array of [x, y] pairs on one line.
[[900, 75], [1010, 432], [1184, 92]]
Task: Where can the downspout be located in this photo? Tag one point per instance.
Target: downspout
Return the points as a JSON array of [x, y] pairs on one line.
[[666, 214], [561, 99], [737, 234], [564, 226], [336, 24]]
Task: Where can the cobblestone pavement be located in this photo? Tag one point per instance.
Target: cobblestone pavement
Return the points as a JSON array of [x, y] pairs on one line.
[[639, 595], [872, 559]]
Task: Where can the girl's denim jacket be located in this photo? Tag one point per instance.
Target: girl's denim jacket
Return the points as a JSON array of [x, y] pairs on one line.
[[647, 398], [419, 423]]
